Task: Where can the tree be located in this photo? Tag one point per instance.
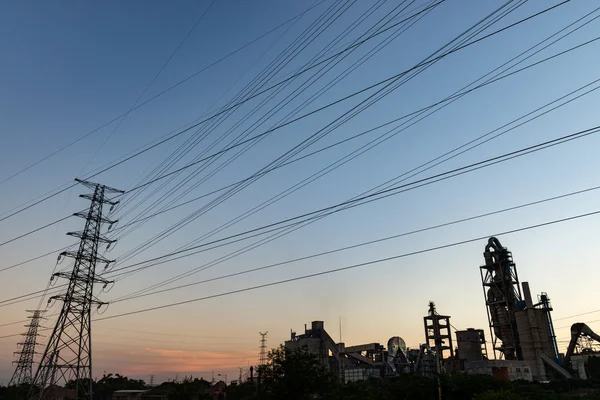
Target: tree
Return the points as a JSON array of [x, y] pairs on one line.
[[104, 387], [295, 375], [189, 388]]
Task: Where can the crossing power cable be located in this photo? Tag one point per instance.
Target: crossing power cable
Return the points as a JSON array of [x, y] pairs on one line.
[[160, 142], [290, 162], [58, 250], [121, 120], [356, 23], [374, 241], [163, 92], [134, 154], [375, 196], [221, 166], [353, 266], [157, 143], [136, 220], [356, 93], [225, 258], [366, 243], [398, 189], [158, 167], [436, 164], [62, 219], [303, 44], [336, 11], [239, 252], [390, 85]]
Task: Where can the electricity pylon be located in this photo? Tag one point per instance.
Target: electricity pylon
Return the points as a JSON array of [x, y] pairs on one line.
[[68, 354], [262, 356], [23, 371]]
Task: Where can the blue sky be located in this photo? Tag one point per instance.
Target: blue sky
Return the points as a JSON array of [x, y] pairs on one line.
[[70, 67]]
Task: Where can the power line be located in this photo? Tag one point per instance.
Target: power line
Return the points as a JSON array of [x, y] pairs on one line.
[[136, 220], [352, 26], [314, 33], [396, 189], [554, 101], [175, 227], [149, 85], [353, 266], [161, 166], [161, 93], [34, 259], [387, 80], [294, 226], [358, 201], [321, 133], [427, 62], [14, 323], [449, 98], [55, 222], [370, 242], [577, 315]]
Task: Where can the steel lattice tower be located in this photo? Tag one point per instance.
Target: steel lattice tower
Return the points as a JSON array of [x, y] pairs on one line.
[[262, 356], [24, 365], [68, 354]]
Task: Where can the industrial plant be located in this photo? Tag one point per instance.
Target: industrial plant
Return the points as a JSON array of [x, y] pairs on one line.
[[521, 344]]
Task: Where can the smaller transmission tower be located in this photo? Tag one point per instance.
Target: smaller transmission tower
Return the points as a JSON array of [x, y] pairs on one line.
[[262, 356], [23, 371], [68, 354]]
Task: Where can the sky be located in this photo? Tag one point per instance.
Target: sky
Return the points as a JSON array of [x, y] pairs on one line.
[[68, 68]]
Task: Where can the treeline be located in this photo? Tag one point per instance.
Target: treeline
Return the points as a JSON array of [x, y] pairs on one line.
[[297, 375]]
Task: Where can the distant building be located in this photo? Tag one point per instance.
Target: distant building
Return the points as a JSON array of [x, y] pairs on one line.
[[508, 370], [217, 390], [352, 363], [158, 393], [319, 343]]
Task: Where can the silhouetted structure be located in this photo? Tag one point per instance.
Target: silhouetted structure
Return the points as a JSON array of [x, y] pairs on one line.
[[262, 355], [24, 369], [520, 329], [68, 354]]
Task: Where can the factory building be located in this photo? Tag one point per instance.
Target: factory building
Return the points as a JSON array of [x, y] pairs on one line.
[[521, 336], [471, 346], [349, 363], [319, 343], [520, 329], [512, 370]]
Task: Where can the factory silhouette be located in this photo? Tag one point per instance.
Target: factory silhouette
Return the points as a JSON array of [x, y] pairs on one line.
[[521, 344]]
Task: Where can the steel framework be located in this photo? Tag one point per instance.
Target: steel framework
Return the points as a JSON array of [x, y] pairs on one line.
[[68, 354], [502, 293], [262, 356], [24, 365]]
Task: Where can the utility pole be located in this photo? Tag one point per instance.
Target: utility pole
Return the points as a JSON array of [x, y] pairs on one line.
[[151, 380], [23, 371], [262, 356], [68, 354]]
